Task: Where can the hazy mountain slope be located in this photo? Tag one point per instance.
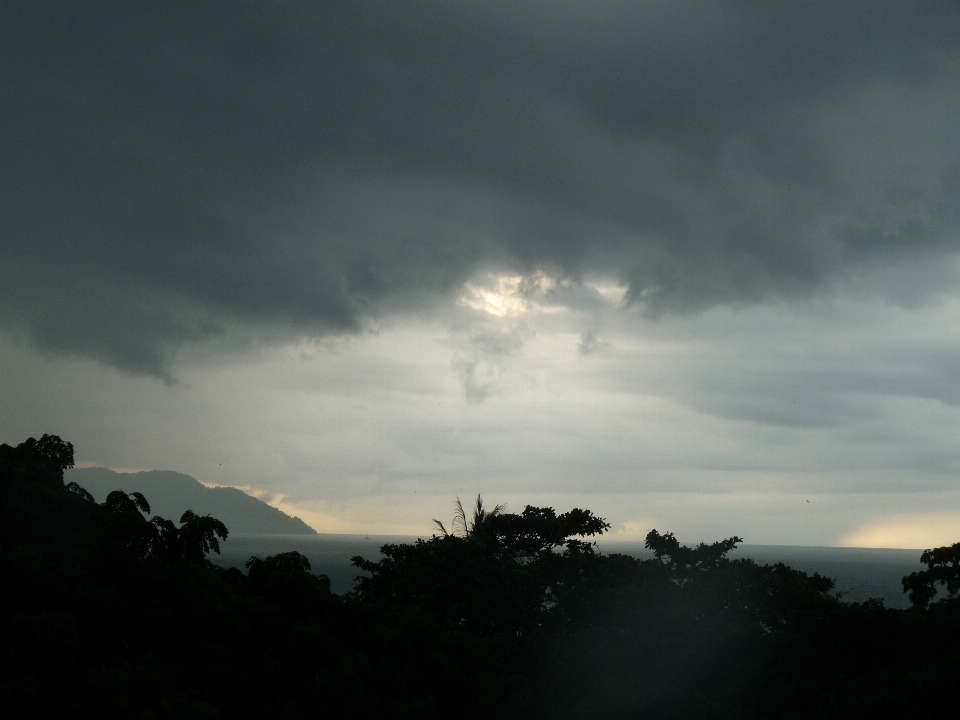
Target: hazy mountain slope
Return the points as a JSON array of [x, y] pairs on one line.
[[170, 493]]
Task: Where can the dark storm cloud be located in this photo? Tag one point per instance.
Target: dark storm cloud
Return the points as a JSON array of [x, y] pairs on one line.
[[171, 170]]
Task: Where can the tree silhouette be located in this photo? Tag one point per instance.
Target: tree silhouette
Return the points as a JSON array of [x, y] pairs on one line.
[[49, 451], [495, 571], [81, 492], [285, 578], [125, 534], [106, 613], [35, 508], [539, 530], [683, 561], [192, 541], [943, 568], [464, 526]]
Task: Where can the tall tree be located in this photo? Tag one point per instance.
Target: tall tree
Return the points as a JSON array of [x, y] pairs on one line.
[[943, 569]]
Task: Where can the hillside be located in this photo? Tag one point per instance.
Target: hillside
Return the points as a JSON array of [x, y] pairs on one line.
[[170, 493]]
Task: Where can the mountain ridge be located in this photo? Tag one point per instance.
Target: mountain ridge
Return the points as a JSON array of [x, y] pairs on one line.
[[171, 493]]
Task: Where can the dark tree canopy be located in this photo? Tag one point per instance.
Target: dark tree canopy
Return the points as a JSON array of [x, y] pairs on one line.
[[286, 579], [48, 451], [107, 612], [502, 573], [943, 569], [196, 537]]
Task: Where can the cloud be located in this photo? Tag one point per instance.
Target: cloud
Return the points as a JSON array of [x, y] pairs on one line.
[[378, 434], [484, 365], [591, 344], [175, 174], [634, 529]]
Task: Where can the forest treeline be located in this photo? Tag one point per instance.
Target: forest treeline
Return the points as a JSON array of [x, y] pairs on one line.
[[108, 612]]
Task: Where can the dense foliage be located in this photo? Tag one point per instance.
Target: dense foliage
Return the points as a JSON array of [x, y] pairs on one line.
[[106, 612]]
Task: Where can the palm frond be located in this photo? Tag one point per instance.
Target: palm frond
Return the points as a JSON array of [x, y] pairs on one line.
[[481, 514], [464, 527], [460, 519]]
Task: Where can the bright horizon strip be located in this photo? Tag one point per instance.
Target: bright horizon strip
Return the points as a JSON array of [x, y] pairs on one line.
[[920, 531]]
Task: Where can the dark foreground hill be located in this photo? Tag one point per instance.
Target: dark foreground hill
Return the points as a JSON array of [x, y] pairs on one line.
[[108, 614], [171, 493]]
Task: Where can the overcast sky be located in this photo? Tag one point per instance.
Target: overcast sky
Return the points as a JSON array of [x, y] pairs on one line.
[[694, 266]]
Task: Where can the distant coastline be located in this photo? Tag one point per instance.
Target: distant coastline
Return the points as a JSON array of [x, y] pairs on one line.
[[171, 493]]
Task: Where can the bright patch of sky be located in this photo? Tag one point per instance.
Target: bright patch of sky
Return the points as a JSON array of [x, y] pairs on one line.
[[827, 422]]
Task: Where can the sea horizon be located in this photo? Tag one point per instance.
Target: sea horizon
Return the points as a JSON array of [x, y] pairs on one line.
[[859, 573]]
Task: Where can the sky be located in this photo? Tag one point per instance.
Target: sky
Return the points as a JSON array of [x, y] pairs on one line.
[[691, 265]]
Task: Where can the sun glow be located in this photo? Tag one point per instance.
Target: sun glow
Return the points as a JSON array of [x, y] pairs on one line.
[[920, 530], [510, 295]]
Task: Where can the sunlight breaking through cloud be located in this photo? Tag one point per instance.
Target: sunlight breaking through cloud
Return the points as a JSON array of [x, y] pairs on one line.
[[511, 295]]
